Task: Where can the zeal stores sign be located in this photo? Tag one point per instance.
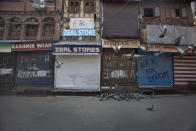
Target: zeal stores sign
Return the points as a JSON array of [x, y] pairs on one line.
[[76, 49], [80, 27]]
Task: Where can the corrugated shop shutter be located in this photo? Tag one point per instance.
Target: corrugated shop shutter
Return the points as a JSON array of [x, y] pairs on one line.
[[120, 20], [6, 70], [155, 71], [34, 69], [184, 71], [78, 72]]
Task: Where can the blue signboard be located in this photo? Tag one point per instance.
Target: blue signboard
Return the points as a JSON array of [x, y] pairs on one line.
[[73, 49], [155, 70], [79, 32]]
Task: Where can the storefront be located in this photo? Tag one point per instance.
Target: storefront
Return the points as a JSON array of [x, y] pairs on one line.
[[154, 67], [34, 64], [6, 66], [77, 67], [118, 64]]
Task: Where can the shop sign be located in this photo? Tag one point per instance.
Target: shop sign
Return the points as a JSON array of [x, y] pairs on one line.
[[81, 23], [79, 32], [165, 48], [30, 46], [124, 43], [76, 49], [5, 47]]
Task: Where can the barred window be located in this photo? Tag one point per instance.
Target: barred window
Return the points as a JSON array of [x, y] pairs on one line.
[[15, 26], [89, 6], [2, 26], [31, 26], [74, 6], [48, 28]]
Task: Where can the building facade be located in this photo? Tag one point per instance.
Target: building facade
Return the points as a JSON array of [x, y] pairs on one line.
[[168, 37], [78, 55], [30, 28]]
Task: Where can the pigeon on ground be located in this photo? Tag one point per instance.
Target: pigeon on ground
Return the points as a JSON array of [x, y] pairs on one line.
[[151, 108]]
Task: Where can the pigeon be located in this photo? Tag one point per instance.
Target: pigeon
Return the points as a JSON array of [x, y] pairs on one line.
[[192, 47], [163, 31], [158, 53], [182, 50], [143, 48], [151, 108], [178, 40], [116, 48]]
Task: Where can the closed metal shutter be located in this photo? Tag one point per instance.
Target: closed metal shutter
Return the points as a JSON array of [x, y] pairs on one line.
[[6, 70], [184, 71], [155, 71], [78, 72], [118, 68], [120, 23], [34, 69]]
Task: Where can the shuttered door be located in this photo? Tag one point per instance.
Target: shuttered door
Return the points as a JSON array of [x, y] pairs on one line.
[[155, 71], [185, 71], [120, 20], [6, 70], [78, 73], [117, 68], [34, 69]]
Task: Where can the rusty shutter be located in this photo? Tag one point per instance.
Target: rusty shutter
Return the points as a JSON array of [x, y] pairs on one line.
[[117, 68], [184, 71], [120, 20]]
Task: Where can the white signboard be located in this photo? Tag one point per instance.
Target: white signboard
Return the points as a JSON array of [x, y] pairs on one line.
[[171, 35], [81, 23]]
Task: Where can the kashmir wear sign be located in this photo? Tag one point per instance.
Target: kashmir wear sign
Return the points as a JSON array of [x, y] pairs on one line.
[[124, 43], [33, 45]]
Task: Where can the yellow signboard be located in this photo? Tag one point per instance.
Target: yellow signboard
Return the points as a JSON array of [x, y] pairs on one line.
[[124, 43]]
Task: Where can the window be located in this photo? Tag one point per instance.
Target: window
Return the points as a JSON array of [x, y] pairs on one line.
[[2, 24], [74, 6], [31, 26], [89, 6], [48, 28], [148, 12], [177, 13], [15, 27]]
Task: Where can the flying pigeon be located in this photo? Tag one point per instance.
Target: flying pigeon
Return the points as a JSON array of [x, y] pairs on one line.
[[163, 31], [151, 108], [178, 40], [116, 49], [182, 50], [42, 3], [192, 47], [143, 48]]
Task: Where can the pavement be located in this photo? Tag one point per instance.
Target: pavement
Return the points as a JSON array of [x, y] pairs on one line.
[[87, 113]]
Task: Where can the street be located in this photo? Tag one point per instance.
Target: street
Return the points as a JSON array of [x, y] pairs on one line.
[[87, 113]]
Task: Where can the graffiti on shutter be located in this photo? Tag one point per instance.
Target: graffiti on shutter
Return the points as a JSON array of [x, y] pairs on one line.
[[118, 69]]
